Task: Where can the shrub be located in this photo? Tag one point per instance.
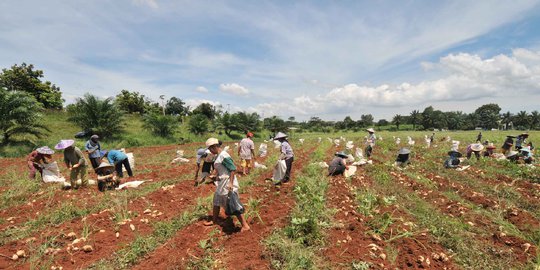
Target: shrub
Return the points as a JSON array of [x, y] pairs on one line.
[[161, 125], [20, 116], [198, 124], [102, 116]]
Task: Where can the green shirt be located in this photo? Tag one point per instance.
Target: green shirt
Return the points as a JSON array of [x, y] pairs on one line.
[[73, 155]]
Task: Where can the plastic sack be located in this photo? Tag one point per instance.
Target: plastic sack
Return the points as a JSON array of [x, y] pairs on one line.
[[350, 171], [259, 166], [359, 153], [234, 206], [51, 173], [263, 150], [279, 170], [301, 141], [349, 145], [131, 184]]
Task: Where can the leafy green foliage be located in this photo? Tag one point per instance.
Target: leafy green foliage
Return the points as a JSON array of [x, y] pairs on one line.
[[20, 116], [240, 121], [134, 102], [206, 109], [25, 78], [176, 106], [102, 116], [198, 124], [161, 125]]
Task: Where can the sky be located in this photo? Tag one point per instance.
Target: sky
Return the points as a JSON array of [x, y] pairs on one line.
[[329, 59]]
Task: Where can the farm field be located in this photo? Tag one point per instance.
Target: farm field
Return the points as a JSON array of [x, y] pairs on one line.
[[420, 217]]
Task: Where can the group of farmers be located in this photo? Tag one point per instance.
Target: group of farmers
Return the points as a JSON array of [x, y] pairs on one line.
[[106, 164], [218, 167]]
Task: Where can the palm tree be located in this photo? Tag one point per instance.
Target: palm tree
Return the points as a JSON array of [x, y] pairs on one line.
[[506, 119], [534, 120], [521, 120], [397, 120], [101, 116], [20, 116], [161, 125], [414, 118]]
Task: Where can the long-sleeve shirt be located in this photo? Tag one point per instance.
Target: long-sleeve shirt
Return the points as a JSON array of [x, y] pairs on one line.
[[116, 156], [93, 149], [36, 157], [73, 155], [286, 150]]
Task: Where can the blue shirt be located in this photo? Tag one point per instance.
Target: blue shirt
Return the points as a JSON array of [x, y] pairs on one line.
[[93, 149], [116, 156]]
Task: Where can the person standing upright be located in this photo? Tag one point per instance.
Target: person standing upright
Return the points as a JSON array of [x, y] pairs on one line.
[[246, 151], [287, 154], [93, 148], [370, 142]]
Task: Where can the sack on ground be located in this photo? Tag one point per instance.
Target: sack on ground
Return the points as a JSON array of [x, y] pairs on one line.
[[263, 149], [51, 173], [259, 166], [234, 206]]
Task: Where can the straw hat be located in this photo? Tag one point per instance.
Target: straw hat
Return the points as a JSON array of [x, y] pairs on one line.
[[370, 130], [63, 144], [477, 147], [404, 151], [103, 166], [524, 134], [511, 136], [491, 146], [280, 135], [212, 141], [45, 150], [341, 154]]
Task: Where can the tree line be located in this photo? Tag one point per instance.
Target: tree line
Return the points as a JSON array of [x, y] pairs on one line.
[[24, 95]]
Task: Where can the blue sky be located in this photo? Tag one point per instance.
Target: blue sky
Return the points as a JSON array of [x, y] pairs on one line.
[[287, 58]]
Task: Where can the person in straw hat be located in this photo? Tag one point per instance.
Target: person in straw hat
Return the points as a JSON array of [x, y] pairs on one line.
[[207, 158], [107, 178], [287, 154], [225, 181], [75, 161], [474, 148], [490, 150], [453, 160], [246, 152], [37, 158], [525, 152], [370, 142], [338, 165], [512, 156], [402, 159]]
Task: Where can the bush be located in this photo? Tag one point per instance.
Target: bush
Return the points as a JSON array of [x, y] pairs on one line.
[[102, 116], [198, 124], [161, 125]]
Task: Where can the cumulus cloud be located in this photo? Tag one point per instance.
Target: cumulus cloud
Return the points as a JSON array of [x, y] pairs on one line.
[[233, 88], [201, 89], [467, 77]]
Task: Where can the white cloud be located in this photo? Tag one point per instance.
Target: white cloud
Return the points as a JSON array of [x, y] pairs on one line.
[[150, 3], [201, 89], [234, 88], [468, 77]]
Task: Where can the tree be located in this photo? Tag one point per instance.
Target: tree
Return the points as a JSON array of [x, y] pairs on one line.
[[488, 115], [427, 117], [455, 120], [521, 120], [397, 120], [25, 78], [161, 125], [415, 118], [134, 102], [176, 106], [206, 109], [20, 116], [102, 116], [534, 120], [198, 124], [274, 124], [247, 121], [506, 119], [367, 120], [382, 122]]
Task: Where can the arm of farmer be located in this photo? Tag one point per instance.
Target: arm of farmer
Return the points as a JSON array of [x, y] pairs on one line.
[[89, 148], [229, 164]]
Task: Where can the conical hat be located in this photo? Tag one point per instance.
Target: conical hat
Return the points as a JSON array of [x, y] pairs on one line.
[[45, 150], [280, 135]]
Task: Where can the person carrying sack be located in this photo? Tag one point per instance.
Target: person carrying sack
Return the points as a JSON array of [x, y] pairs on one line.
[[226, 182], [287, 154], [37, 159]]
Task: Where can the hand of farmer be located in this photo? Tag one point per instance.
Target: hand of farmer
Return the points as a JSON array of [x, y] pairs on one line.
[[76, 165]]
